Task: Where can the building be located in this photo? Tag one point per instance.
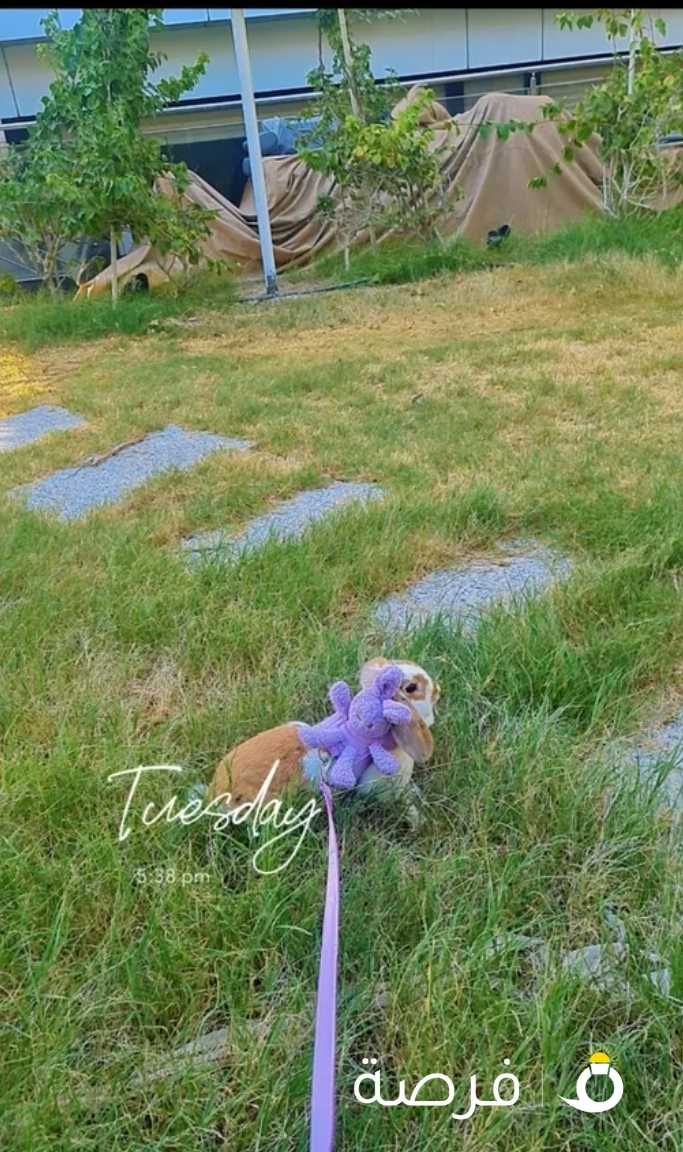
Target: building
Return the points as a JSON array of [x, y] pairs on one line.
[[459, 52]]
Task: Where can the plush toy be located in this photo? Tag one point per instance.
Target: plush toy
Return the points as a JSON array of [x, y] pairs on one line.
[[359, 733]]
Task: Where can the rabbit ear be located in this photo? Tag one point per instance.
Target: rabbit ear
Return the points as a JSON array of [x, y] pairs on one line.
[[396, 713], [414, 737], [371, 669]]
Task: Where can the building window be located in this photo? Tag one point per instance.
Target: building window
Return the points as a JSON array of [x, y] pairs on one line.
[[454, 97], [219, 162], [15, 135]]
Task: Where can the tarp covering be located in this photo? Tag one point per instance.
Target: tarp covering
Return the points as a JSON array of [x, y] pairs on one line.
[[487, 180]]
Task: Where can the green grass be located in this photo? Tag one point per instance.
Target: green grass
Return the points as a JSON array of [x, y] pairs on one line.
[[406, 261], [35, 321], [551, 407], [658, 236]]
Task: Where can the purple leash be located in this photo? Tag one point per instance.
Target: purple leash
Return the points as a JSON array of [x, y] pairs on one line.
[[325, 1043]]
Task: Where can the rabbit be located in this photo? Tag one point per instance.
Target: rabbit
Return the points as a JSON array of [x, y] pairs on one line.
[[241, 774]]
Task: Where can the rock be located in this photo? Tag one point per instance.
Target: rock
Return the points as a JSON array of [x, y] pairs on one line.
[[522, 569], [108, 478]]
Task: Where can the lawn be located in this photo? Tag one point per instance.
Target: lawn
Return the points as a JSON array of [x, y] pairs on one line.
[[520, 401]]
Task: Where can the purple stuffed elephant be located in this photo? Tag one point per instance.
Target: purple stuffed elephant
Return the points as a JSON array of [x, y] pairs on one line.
[[359, 732]]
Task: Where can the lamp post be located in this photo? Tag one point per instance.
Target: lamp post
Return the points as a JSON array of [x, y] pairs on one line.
[[239, 39]]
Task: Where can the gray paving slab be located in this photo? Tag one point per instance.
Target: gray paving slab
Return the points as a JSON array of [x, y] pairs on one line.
[[25, 427], [286, 521], [73, 492], [523, 568], [658, 757], [602, 964]]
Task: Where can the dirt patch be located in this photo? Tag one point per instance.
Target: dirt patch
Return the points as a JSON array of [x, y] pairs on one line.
[[161, 693]]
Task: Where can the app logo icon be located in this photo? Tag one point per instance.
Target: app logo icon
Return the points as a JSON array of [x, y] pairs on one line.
[[599, 1066]]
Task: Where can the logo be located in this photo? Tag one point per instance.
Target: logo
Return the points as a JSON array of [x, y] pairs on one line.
[[599, 1066], [258, 813]]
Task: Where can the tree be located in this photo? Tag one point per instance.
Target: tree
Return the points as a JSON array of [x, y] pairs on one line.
[[87, 148], [384, 168], [639, 103], [347, 57], [348, 84], [38, 212]]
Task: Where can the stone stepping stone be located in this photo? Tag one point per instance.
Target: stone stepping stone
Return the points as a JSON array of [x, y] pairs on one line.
[[73, 492], [525, 568], [26, 427], [286, 521], [603, 965], [662, 748]]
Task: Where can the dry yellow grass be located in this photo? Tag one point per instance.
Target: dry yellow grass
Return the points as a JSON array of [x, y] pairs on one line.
[[21, 381], [526, 364]]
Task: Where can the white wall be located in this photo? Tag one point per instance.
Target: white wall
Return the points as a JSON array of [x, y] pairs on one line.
[[282, 52], [285, 49], [30, 79], [432, 40], [503, 35], [7, 106], [183, 45], [558, 42]]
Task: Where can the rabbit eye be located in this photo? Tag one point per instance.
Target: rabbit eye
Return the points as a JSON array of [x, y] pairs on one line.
[[411, 688]]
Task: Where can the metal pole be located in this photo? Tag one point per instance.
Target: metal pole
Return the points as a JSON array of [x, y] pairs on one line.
[[239, 39]]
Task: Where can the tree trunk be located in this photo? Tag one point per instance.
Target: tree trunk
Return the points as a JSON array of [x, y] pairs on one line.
[[113, 259], [49, 268], [348, 63], [631, 53], [626, 185], [606, 184]]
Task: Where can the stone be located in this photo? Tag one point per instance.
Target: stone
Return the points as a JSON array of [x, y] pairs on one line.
[[659, 760], [26, 427], [286, 521], [73, 492], [596, 964], [602, 965], [523, 568], [211, 1048]]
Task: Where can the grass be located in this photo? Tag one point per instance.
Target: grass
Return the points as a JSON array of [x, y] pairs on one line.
[[40, 320], [34, 322], [658, 236], [402, 262], [549, 406]]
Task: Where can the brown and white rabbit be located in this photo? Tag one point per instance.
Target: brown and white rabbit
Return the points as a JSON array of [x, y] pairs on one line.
[[243, 771]]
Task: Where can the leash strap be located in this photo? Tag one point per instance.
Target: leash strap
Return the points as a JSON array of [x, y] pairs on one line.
[[325, 1043]]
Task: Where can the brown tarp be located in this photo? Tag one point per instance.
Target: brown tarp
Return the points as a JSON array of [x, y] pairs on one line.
[[487, 179]]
